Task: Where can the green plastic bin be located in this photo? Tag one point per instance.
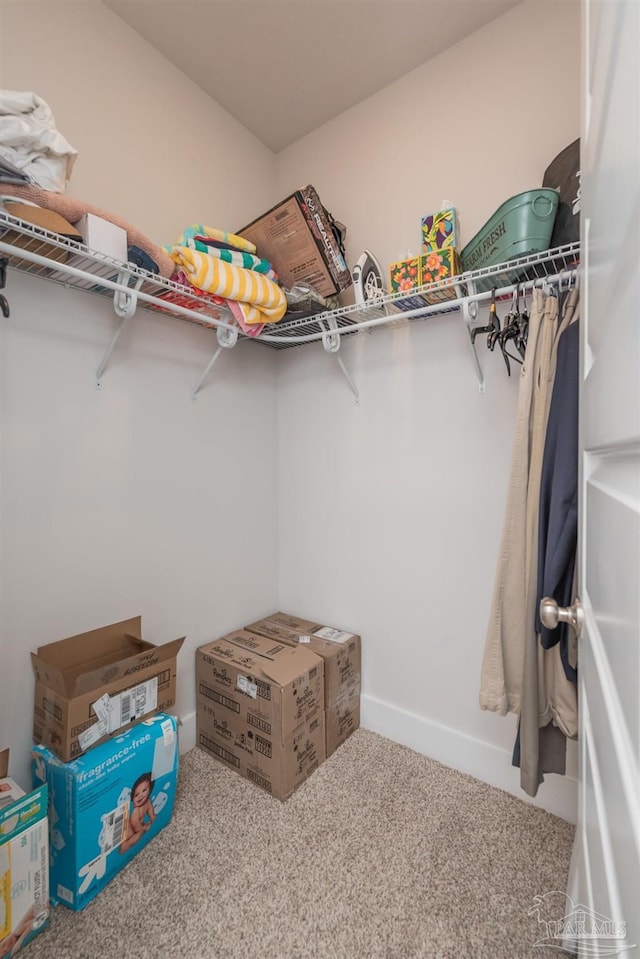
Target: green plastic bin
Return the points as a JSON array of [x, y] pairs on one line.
[[522, 225]]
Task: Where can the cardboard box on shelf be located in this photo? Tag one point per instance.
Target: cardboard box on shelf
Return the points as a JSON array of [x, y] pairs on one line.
[[107, 805], [298, 238], [92, 686], [24, 862], [340, 650], [260, 709]]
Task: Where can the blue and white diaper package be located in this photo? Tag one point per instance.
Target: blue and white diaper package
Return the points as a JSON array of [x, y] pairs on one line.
[[105, 806]]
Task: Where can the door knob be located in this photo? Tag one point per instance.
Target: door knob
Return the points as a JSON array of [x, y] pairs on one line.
[[551, 614]]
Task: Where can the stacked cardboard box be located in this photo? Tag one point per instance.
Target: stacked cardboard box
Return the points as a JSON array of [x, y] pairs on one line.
[[260, 709], [341, 652]]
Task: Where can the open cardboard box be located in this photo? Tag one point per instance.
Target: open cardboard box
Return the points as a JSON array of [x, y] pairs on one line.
[[91, 686]]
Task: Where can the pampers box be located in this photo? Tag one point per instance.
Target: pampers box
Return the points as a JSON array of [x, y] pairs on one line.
[[106, 806]]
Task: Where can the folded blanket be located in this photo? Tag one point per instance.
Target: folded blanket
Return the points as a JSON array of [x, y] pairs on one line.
[[72, 210], [260, 300], [246, 260], [230, 239], [207, 304]]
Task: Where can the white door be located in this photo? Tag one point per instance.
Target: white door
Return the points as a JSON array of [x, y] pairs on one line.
[[606, 886]]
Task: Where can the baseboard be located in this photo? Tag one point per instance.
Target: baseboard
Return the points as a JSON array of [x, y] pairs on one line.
[[491, 764], [187, 732], [558, 794]]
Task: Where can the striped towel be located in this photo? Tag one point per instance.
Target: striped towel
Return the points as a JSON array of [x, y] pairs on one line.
[[260, 300], [230, 239], [246, 260]]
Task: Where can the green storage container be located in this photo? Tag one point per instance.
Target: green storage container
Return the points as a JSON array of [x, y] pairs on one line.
[[522, 225]]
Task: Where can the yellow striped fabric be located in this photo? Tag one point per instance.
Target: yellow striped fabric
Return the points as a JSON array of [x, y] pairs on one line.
[[232, 239], [260, 300]]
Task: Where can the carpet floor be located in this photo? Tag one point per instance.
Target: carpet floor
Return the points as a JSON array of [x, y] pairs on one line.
[[381, 854]]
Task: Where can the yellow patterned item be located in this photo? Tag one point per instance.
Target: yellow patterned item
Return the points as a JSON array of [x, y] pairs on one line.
[[260, 300], [213, 233]]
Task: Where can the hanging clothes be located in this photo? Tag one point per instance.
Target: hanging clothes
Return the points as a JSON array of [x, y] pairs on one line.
[[518, 675], [558, 522], [549, 704]]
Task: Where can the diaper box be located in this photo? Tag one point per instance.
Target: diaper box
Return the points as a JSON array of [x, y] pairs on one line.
[[24, 862], [339, 649], [107, 805], [94, 685]]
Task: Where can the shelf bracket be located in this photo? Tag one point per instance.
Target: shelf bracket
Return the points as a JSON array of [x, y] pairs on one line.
[[227, 339], [470, 315], [331, 344], [124, 305]]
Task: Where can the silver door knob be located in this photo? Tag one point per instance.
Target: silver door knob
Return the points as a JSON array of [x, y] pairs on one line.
[[551, 614]]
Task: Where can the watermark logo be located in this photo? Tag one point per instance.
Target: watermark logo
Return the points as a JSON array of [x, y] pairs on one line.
[[566, 925]]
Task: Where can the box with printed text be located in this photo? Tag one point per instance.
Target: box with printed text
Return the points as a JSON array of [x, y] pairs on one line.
[[260, 709], [24, 862], [107, 805], [92, 686], [341, 652]]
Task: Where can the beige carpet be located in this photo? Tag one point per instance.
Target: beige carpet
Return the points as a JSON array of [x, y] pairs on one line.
[[382, 854]]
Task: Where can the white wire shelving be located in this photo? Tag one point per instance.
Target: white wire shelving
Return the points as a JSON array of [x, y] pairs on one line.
[[38, 252]]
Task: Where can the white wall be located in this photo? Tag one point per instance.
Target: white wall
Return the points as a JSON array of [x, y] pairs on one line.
[[133, 499], [153, 147], [475, 125], [391, 511]]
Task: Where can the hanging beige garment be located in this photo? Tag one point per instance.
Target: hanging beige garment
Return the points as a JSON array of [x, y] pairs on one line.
[[547, 696], [503, 660]]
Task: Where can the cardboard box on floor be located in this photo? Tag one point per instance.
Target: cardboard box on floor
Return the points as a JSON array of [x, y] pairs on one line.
[[278, 768], [341, 652], [94, 685], [98, 828], [261, 709], [24, 862]]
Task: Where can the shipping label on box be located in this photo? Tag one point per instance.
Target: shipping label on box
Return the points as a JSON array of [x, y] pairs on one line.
[[278, 768], [90, 686], [439, 230], [24, 864], [340, 650], [107, 805]]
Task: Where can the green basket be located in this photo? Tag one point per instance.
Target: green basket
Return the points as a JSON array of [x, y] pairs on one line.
[[522, 225]]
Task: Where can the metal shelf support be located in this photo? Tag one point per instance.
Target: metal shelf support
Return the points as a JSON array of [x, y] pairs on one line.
[[125, 302], [331, 344], [227, 339], [470, 315]]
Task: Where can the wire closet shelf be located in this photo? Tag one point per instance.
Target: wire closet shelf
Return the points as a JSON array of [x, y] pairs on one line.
[[38, 252]]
